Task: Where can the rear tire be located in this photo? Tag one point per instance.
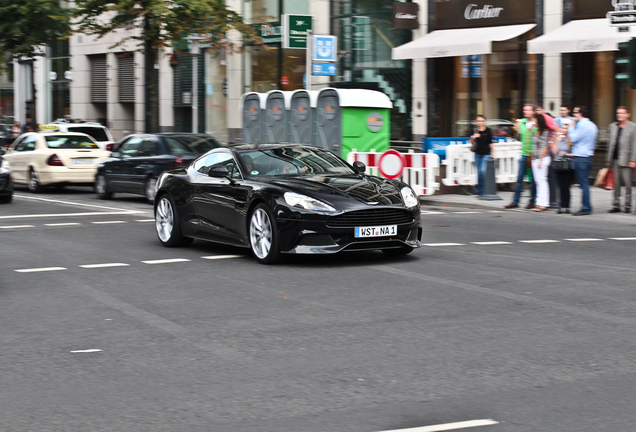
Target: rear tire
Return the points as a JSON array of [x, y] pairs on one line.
[[167, 224], [101, 187], [263, 235], [33, 183], [398, 251]]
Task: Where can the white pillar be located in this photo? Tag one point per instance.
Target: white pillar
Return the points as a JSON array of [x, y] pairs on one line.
[[552, 92], [322, 23], [419, 80]]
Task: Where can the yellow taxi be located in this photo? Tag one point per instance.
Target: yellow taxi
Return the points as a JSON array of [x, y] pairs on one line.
[[40, 159]]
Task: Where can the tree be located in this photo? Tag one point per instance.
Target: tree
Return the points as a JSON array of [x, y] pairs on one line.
[[161, 24], [27, 25]]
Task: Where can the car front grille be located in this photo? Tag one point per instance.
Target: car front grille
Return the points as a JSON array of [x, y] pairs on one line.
[[372, 217]]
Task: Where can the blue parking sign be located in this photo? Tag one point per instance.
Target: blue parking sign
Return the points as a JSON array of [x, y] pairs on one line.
[[325, 48], [324, 69]]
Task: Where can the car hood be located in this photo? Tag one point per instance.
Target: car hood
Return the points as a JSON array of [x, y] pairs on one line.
[[366, 189]]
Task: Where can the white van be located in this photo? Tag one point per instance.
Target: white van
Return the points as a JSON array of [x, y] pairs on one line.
[[99, 133]]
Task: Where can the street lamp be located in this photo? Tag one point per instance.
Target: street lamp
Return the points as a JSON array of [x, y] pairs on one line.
[[195, 50]]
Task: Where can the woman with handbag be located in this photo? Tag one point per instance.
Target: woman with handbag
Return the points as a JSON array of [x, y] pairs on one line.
[[481, 141], [541, 162], [563, 166]]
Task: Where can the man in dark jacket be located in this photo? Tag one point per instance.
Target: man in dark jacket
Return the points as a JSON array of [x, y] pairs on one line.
[[621, 157]]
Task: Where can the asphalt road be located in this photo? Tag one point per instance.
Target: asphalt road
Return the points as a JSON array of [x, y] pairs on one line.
[[526, 319]]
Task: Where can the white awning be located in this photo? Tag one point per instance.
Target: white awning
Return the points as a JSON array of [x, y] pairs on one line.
[[453, 43], [588, 35]]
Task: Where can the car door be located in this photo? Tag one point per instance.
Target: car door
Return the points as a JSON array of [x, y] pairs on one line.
[[122, 176], [17, 161], [215, 198], [142, 164]]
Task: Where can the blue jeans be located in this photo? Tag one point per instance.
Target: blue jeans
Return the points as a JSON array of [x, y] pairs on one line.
[[582, 168], [519, 185], [480, 164]]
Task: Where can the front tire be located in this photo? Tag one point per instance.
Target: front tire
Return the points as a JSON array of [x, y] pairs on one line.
[[264, 235], [167, 224], [101, 187], [398, 251], [34, 182]]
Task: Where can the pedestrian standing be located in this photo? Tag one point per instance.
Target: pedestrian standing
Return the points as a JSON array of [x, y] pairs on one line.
[[552, 178], [560, 148], [483, 137], [583, 137], [16, 130], [540, 162], [621, 157], [526, 128]]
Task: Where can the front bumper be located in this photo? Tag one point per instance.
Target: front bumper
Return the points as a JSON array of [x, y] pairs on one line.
[[312, 234]]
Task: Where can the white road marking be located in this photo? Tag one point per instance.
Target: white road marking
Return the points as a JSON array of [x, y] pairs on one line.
[[623, 238], [431, 212], [145, 220], [166, 261], [539, 241], [215, 257], [467, 212], [443, 244], [92, 266], [17, 226], [77, 204], [584, 239], [495, 211], [42, 269], [492, 243], [449, 426], [108, 222], [63, 224], [66, 214]]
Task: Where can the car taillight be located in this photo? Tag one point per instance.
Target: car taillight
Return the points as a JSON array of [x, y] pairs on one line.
[[54, 160], [178, 163], [110, 147]]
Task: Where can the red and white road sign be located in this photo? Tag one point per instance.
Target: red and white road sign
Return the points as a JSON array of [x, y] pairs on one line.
[[391, 164], [284, 80]]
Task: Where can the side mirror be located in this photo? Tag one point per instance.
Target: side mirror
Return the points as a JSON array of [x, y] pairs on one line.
[[219, 172], [359, 167]]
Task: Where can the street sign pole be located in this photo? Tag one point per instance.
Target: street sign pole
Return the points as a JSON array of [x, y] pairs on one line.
[[309, 56]]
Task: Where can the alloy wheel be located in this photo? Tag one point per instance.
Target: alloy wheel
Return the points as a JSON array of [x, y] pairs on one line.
[[100, 185], [261, 236], [164, 219]]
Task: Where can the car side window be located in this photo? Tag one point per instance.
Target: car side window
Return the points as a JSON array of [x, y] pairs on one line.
[[147, 148], [29, 143], [19, 146], [204, 164], [131, 147]]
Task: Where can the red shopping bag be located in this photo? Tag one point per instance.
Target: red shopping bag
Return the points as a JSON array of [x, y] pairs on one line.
[[609, 181]]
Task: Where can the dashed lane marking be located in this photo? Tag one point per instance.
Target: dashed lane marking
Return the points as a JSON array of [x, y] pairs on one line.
[[166, 261], [585, 240], [432, 212], [108, 222], [62, 224], [450, 426], [491, 243], [17, 226], [105, 265], [216, 257], [443, 244], [67, 214], [467, 212], [42, 269], [78, 204], [623, 238], [145, 220], [539, 241]]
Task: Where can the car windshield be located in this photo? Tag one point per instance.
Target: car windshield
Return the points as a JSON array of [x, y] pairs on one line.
[[98, 133], [295, 161], [179, 145], [70, 142]]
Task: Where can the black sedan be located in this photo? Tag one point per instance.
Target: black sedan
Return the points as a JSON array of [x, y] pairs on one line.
[[285, 198], [140, 158], [6, 182]]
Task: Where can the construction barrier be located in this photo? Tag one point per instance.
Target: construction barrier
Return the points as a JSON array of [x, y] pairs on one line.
[[460, 163], [418, 170]]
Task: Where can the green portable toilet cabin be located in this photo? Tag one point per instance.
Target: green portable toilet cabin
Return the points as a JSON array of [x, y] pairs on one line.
[[276, 120], [253, 106], [302, 116], [349, 119]]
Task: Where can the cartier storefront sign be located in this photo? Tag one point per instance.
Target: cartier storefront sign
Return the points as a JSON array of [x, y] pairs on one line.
[[455, 14], [405, 16]]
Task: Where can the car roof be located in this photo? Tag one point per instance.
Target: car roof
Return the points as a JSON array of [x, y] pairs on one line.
[[266, 146]]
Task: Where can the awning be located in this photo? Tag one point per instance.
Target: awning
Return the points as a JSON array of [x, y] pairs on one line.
[[459, 42], [588, 35]]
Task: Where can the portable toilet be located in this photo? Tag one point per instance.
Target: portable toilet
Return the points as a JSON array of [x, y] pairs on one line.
[[277, 116], [349, 119], [253, 107], [302, 116]]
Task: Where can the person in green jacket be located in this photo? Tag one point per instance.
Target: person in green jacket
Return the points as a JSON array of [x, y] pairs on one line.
[[526, 128]]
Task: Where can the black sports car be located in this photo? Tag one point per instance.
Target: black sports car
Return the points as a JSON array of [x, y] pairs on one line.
[[285, 198]]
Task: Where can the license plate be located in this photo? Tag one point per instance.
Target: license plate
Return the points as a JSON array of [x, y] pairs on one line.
[[83, 161], [377, 231]]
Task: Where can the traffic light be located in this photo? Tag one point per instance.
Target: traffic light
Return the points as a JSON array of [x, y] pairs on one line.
[[628, 63]]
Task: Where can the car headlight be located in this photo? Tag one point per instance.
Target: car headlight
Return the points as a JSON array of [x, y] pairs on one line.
[[5, 167], [410, 200], [302, 201]]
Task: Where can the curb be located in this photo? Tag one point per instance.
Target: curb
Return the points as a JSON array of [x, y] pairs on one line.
[[476, 205]]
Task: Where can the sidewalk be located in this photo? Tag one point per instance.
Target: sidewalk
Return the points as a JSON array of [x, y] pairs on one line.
[[601, 199]]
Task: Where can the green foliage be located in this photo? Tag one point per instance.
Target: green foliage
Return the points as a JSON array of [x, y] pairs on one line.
[[27, 24], [170, 21]]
